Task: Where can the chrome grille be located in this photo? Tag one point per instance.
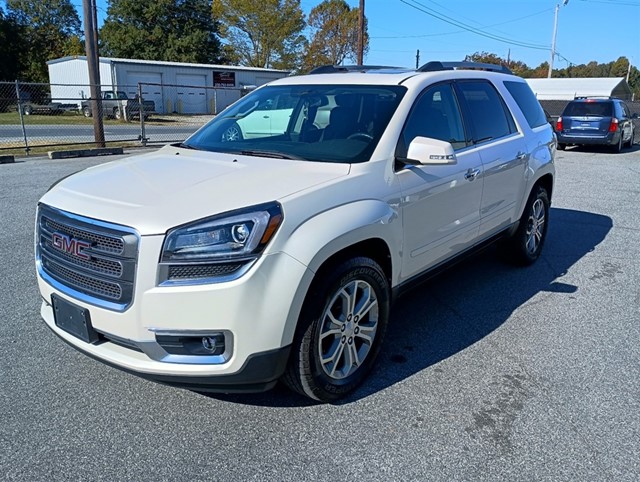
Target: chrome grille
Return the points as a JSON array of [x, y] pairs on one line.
[[103, 273], [101, 242], [104, 266]]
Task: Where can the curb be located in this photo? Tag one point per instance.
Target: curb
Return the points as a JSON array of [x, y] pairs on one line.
[[7, 159], [105, 151]]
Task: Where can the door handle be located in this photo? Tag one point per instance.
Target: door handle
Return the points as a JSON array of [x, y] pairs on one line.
[[471, 174], [521, 156]]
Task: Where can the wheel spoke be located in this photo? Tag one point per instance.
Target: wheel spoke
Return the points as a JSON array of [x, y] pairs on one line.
[[353, 360], [333, 355], [366, 333], [369, 301], [353, 294], [531, 243], [335, 333]]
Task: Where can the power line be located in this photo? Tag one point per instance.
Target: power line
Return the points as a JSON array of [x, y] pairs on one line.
[[458, 31], [444, 18]]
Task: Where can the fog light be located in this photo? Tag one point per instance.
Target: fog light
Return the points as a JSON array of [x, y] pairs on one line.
[[195, 345], [212, 343]]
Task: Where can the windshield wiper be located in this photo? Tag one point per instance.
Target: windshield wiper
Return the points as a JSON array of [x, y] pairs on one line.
[[182, 145], [271, 154]]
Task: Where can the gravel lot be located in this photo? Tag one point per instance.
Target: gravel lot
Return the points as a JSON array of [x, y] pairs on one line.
[[488, 372]]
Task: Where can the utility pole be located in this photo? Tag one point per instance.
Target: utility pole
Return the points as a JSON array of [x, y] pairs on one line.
[[91, 49], [361, 34], [553, 39], [417, 58]]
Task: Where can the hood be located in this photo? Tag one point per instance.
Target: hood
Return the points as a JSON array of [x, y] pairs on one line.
[[156, 192]]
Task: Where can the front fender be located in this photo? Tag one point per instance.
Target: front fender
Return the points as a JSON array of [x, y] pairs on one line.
[[318, 238]]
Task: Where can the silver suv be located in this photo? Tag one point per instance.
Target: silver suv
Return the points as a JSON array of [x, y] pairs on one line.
[[272, 243]]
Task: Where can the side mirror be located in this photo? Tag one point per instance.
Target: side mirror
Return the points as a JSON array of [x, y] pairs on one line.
[[425, 150]]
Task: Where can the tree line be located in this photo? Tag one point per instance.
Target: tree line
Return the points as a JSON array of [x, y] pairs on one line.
[[256, 33]]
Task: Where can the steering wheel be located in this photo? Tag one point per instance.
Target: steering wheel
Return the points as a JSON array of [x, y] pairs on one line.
[[361, 135]]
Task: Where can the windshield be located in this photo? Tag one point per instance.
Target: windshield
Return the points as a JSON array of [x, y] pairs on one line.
[[330, 123]]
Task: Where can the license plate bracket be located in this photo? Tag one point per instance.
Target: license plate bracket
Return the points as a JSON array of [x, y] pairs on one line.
[[73, 319]]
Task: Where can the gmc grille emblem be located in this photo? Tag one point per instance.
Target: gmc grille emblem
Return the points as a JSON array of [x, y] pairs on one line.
[[70, 245]]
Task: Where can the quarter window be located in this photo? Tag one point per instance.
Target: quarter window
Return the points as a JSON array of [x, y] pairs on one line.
[[529, 105], [488, 115]]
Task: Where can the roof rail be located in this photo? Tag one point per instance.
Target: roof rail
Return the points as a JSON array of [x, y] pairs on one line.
[[332, 69], [436, 65], [594, 97]]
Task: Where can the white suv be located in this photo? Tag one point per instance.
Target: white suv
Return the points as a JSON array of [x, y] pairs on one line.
[[269, 249]]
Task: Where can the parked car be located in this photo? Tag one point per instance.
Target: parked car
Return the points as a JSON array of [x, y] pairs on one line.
[[596, 121], [227, 263], [117, 104]]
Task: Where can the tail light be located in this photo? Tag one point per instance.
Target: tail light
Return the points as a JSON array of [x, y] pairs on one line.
[[559, 124], [613, 127]]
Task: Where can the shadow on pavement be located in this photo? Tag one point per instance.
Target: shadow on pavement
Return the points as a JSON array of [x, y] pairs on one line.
[[463, 305]]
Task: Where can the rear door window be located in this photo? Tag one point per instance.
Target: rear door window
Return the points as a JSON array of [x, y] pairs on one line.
[[488, 115]]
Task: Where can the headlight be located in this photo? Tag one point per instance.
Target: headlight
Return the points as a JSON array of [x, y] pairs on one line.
[[219, 246]]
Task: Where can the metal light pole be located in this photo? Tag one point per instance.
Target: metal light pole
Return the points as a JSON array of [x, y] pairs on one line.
[[553, 40]]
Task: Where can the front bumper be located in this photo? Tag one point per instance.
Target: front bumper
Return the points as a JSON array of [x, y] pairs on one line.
[[256, 312]]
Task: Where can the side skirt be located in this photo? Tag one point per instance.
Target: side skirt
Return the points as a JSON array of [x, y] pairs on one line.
[[411, 283]]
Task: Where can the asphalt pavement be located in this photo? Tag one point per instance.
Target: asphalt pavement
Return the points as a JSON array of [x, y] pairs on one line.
[[488, 372]]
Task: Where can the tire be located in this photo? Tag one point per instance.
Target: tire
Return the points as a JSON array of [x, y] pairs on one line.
[[27, 110], [629, 144], [86, 111], [232, 134], [562, 147], [117, 114], [524, 247], [618, 147], [340, 331]]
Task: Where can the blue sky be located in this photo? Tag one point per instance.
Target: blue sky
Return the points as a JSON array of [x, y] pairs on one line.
[[600, 30]]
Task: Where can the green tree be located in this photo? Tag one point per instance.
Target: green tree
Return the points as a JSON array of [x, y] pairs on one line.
[[11, 46], [335, 34], [619, 68], [51, 30], [262, 33], [168, 30]]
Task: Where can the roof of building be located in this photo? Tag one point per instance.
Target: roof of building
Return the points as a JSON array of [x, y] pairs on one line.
[[570, 88], [168, 64]]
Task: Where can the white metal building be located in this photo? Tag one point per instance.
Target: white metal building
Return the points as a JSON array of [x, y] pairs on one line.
[[173, 86], [570, 88]]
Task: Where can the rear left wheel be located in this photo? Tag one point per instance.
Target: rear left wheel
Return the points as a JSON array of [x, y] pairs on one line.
[[340, 331]]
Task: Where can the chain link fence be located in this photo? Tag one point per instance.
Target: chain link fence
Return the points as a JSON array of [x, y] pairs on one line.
[[37, 117], [34, 117]]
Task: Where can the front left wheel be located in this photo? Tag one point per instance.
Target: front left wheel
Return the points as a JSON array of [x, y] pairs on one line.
[[340, 330]]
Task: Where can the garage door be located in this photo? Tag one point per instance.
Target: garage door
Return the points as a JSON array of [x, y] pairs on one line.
[[149, 92], [192, 96]]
